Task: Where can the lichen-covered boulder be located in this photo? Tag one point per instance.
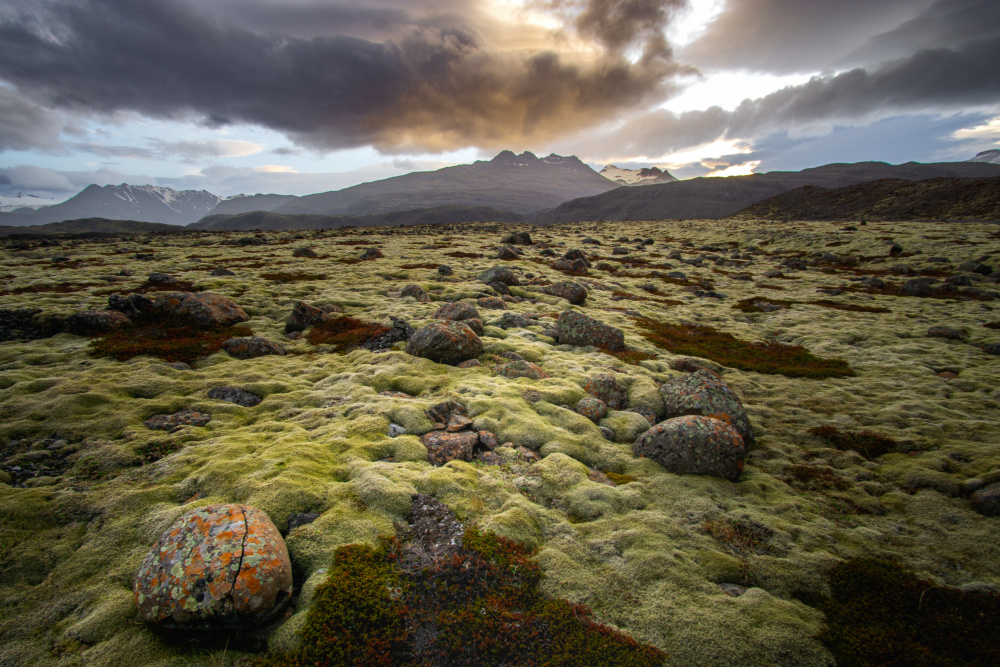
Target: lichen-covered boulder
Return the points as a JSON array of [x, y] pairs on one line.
[[399, 332], [202, 309], [444, 446], [216, 566], [492, 303], [304, 316], [457, 311], [694, 445], [417, 292], [445, 342], [592, 408], [987, 500], [234, 395], [370, 254], [499, 274], [249, 347], [575, 293], [704, 393], [96, 322], [576, 267], [607, 389], [521, 369], [579, 329]]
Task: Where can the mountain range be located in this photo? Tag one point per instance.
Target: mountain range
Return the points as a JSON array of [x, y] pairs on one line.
[[646, 176]]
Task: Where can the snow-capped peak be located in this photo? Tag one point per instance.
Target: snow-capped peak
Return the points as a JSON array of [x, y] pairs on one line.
[[992, 156], [645, 176]]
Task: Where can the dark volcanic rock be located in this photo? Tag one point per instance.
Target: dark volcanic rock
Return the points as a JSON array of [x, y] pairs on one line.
[[249, 347], [456, 312], [579, 329], [445, 270], [304, 252], [607, 389], [694, 445], [575, 293], [499, 274], [704, 393], [27, 324], [96, 322], [304, 316], [513, 321], [417, 292], [517, 238], [521, 369], [491, 303], [592, 408], [576, 267], [507, 253], [917, 287], [987, 500], [202, 309], [220, 566], [222, 272], [371, 253], [445, 342], [399, 332], [164, 422], [444, 446], [234, 395]]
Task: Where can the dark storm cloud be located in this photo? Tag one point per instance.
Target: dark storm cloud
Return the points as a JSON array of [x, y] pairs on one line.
[[25, 125], [928, 81], [430, 87], [619, 25], [796, 35]]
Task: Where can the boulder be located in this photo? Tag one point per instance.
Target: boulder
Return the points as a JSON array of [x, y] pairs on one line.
[[987, 500], [704, 393], [492, 303], [445, 342], [222, 272], [457, 311], [694, 445], [517, 238], [445, 270], [499, 274], [304, 316], [219, 566], [592, 408], [579, 329], [417, 292], [444, 446], [201, 309], [945, 332], [513, 321], [507, 253], [575, 293], [521, 369], [249, 347], [371, 253], [305, 252], [576, 267], [399, 332], [608, 390], [96, 322], [917, 287], [165, 422], [234, 395]]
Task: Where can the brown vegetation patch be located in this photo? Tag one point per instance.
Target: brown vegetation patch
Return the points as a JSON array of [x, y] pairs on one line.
[[167, 341], [60, 288], [870, 445], [814, 478], [463, 255], [419, 266], [292, 277], [176, 286], [992, 325], [741, 536], [631, 356], [724, 348], [344, 333]]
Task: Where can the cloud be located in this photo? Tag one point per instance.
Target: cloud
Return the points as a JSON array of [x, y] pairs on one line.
[[436, 84], [27, 177], [192, 151], [986, 131], [25, 125]]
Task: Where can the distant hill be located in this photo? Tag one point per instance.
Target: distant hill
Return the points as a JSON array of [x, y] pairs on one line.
[[270, 220], [647, 176], [518, 183], [991, 156], [247, 203], [721, 197], [93, 226], [145, 203], [889, 199]]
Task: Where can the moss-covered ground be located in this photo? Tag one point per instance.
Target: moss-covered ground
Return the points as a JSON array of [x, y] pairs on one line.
[[647, 556]]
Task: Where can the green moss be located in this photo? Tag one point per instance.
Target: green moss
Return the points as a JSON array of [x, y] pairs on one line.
[[869, 445], [617, 478], [768, 358], [481, 606], [879, 614], [169, 342]]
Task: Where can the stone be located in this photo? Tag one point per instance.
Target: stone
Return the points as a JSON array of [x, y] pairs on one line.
[[457, 311], [973, 266], [370, 254], [470, 363], [573, 292], [873, 282], [492, 303], [917, 287], [945, 332], [578, 329], [607, 389], [987, 500], [521, 369], [507, 253], [648, 413], [991, 348], [573, 255], [399, 332], [458, 423], [304, 316], [202, 309], [417, 292], [235, 395], [513, 321], [250, 347], [901, 270], [443, 412], [517, 238], [28, 324], [395, 430], [499, 287], [165, 422], [576, 267], [305, 252], [445, 342], [136, 306], [595, 475], [222, 272], [694, 445], [161, 279], [445, 270], [488, 440], [501, 274], [608, 433], [219, 566], [592, 408], [443, 446], [704, 393], [96, 322]]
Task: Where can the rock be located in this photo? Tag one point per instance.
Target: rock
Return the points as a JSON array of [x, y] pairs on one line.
[[417, 292], [945, 332], [249, 347], [592, 408], [457, 311], [500, 274], [917, 287], [304, 519], [703, 393], [433, 531], [733, 590], [488, 440], [457, 422], [490, 458], [987, 500], [873, 282], [513, 321], [304, 252], [443, 446], [394, 394], [972, 266], [517, 238], [595, 475], [304, 316], [222, 272], [96, 322], [576, 267], [164, 422], [575, 293], [445, 270], [161, 279], [399, 332], [499, 287], [992, 348], [492, 303], [694, 445], [178, 366], [234, 395], [470, 363], [573, 255], [607, 389], [521, 369], [370, 254], [608, 433], [687, 365], [649, 415], [216, 566], [136, 306], [507, 253], [579, 329], [445, 342], [895, 249], [202, 309], [396, 430], [28, 324], [901, 270], [444, 411]]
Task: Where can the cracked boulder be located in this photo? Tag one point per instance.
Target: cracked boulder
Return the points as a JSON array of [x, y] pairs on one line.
[[704, 393], [219, 566]]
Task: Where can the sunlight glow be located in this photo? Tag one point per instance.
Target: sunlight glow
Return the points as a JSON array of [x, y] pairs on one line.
[[988, 130], [744, 169], [275, 169]]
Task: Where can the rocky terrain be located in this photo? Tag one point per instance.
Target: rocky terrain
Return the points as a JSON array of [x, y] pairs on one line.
[[735, 442]]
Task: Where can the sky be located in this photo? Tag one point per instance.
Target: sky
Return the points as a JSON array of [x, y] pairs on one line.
[[303, 96]]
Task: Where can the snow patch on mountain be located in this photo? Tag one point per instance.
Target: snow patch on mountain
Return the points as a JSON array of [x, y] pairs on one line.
[[12, 202], [992, 156], [645, 176]]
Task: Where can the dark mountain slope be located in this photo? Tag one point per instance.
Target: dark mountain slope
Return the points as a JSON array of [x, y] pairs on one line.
[[93, 226], [248, 203], [269, 220]]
